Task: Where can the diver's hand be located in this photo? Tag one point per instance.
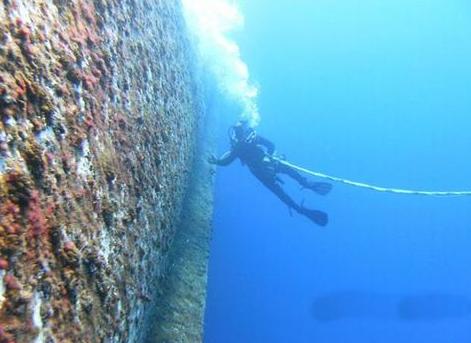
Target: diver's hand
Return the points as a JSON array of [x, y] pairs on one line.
[[212, 159]]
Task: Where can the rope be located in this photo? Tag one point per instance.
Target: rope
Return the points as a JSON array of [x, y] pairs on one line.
[[372, 187]]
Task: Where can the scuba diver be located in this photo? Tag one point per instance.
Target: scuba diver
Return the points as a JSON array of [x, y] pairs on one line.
[[258, 154]]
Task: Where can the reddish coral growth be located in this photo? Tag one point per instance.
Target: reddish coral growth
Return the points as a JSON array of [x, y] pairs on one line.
[[11, 282], [90, 81], [67, 161], [12, 230], [88, 12], [89, 122], [24, 33], [37, 223], [12, 209], [20, 91], [3, 264], [83, 32], [41, 37], [8, 217], [81, 193], [96, 72], [69, 246], [51, 207], [29, 50], [13, 177], [5, 337]]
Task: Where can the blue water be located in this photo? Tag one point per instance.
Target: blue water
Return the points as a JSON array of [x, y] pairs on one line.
[[375, 91]]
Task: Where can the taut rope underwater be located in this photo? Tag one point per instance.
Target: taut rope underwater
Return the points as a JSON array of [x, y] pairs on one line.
[[372, 187]]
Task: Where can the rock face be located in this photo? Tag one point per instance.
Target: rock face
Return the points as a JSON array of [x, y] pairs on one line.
[[99, 120], [179, 315]]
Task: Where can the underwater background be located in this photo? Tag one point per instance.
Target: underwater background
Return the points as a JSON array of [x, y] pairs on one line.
[[375, 92]]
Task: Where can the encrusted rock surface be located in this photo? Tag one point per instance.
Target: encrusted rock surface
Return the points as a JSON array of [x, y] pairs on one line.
[[98, 123], [179, 316]]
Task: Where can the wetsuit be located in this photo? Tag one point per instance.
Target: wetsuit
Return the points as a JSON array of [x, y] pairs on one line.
[[256, 152]]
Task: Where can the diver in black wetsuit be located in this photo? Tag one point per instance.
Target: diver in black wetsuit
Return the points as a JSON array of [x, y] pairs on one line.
[[257, 153]]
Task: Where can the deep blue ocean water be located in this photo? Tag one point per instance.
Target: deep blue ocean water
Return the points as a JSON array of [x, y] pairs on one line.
[[374, 91]]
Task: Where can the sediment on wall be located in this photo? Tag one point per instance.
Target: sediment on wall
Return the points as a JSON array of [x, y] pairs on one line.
[[98, 124]]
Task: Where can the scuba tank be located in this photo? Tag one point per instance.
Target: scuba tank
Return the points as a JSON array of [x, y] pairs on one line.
[[249, 134]]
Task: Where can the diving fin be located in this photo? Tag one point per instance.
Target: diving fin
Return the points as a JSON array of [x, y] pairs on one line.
[[318, 217], [321, 188]]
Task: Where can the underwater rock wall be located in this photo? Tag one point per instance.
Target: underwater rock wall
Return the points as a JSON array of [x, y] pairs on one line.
[[179, 316], [98, 124]]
